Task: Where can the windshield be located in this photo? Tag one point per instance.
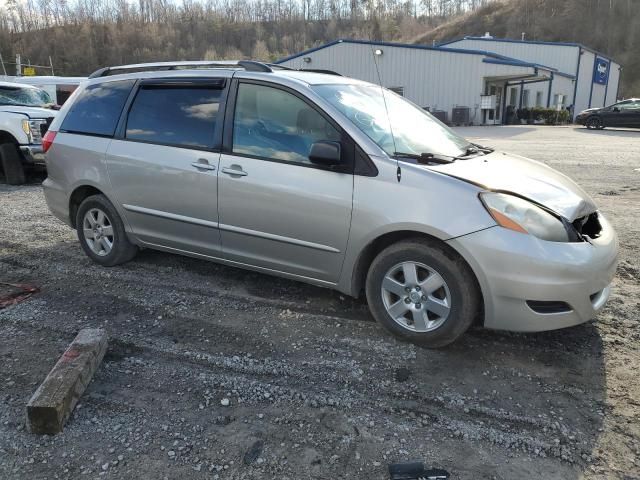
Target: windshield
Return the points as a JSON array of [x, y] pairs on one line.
[[406, 129], [27, 97]]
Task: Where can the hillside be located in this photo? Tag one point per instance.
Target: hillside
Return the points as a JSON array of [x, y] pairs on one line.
[[609, 26], [82, 35]]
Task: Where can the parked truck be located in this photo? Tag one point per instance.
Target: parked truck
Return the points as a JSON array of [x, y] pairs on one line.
[[25, 115]]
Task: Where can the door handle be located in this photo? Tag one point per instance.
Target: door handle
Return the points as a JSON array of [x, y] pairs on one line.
[[237, 171], [203, 164]]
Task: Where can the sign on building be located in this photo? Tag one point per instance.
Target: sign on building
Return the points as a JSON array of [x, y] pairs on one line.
[[601, 71]]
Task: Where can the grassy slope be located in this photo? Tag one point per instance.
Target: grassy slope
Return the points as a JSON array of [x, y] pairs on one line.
[[613, 28]]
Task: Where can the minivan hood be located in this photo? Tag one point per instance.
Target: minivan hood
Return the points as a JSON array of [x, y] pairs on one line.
[[32, 112], [524, 177]]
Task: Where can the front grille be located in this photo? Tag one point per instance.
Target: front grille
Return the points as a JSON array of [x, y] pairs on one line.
[[545, 307], [588, 226], [45, 126]]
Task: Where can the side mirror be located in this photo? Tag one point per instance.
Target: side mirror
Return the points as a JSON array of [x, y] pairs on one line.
[[616, 109], [325, 153]]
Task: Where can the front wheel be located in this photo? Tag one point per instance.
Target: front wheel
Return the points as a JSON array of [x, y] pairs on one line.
[[594, 123], [11, 164], [101, 232], [421, 291]]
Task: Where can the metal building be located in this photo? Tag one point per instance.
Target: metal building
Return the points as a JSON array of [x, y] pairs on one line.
[[468, 85], [598, 76]]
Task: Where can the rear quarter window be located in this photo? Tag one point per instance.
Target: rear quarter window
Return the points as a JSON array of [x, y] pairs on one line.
[[97, 109]]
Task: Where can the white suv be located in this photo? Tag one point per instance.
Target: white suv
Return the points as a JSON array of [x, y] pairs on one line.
[[25, 114]]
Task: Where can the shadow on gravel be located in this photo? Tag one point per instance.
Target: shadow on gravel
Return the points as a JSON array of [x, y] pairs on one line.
[[552, 385], [296, 296], [540, 391], [34, 177], [618, 132]]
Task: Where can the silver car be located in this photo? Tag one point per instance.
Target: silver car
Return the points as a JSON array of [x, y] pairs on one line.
[[330, 181]]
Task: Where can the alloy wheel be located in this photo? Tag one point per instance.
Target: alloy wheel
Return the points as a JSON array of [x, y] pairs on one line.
[[594, 122], [98, 232], [416, 296]]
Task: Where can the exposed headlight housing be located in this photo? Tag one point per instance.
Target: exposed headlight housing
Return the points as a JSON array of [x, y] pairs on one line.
[[33, 129], [525, 217]]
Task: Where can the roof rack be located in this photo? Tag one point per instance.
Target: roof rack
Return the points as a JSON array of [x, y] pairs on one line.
[[320, 70], [248, 65]]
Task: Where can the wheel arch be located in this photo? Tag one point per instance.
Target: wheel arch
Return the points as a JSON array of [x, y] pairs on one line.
[[7, 137], [595, 115], [373, 248], [78, 195]]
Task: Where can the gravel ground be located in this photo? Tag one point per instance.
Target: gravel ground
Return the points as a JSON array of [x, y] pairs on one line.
[[214, 372]]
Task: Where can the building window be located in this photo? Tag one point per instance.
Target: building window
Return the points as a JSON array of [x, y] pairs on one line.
[[398, 90], [513, 96], [525, 99], [539, 99]]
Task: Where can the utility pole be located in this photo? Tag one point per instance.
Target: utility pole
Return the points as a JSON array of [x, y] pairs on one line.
[[18, 66]]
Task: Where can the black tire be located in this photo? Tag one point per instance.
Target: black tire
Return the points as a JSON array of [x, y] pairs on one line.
[[122, 250], [465, 297], [594, 123], [11, 163]]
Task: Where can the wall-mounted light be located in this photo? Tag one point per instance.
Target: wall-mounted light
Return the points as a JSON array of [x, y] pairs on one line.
[[306, 59], [378, 51]]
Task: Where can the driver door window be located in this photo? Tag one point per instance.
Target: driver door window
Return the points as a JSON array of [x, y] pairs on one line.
[[629, 106], [273, 124]]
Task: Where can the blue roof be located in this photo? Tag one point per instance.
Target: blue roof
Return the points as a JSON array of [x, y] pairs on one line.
[[530, 42], [499, 59]]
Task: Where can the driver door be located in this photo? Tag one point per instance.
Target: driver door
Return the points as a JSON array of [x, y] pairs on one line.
[[630, 114], [614, 116], [278, 210]]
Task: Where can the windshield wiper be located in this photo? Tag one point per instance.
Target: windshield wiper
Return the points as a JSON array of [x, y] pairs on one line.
[[481, 148], [426, 157]]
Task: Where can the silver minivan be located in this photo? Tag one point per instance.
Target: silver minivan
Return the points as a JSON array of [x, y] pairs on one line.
[[327, 180]]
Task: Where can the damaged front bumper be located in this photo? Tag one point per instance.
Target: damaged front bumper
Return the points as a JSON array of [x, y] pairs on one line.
[[531, 285]]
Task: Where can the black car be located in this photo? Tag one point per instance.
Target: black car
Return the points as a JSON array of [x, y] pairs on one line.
[[621, 114]]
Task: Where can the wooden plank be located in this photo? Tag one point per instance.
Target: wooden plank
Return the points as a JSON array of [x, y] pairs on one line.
[[51, 405]]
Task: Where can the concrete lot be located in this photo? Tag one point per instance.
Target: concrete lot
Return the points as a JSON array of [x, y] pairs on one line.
[[307, 371]]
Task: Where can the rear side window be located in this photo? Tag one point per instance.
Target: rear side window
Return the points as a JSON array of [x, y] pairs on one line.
[[97, 110], [174, 115]]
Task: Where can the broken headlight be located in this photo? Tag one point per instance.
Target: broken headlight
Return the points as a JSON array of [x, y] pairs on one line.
[[523, 216]]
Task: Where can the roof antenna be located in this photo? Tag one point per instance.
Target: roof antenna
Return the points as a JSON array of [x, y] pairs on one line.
[[376, 53]]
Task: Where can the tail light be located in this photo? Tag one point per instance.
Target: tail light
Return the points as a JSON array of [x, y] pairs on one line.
[[47, 140]]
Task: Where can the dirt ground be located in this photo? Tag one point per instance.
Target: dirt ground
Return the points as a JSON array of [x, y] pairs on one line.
[[315, 388]]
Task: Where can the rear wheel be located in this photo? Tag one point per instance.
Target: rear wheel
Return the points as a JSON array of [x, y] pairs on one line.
[[594, 123], [101, 232], [421, 291], [11, 164]]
